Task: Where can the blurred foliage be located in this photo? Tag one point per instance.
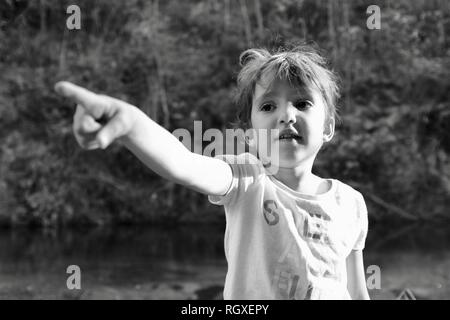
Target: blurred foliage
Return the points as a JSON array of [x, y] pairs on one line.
[[177, 61]]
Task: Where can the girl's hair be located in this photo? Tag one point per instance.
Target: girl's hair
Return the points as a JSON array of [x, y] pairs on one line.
[[300, 66]]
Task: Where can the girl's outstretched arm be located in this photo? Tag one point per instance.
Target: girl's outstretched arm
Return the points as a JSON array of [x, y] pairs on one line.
[[100, 120]]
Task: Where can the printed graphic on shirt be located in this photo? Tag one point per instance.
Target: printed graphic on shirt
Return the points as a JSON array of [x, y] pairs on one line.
[[311, 224], [315, 227], [270, 214], [289, 281]]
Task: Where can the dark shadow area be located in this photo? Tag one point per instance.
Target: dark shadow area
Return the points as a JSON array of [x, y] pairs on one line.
[[189, 262]]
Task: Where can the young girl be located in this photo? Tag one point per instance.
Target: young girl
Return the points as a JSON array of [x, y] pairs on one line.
[[290, 234]]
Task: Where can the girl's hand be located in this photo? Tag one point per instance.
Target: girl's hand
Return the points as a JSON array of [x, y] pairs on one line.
[[99, 120]]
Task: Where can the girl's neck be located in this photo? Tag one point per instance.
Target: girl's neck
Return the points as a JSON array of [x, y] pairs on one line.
[[301, 179]]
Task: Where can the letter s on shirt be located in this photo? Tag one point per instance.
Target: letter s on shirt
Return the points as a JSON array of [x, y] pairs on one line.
[[270, 214]]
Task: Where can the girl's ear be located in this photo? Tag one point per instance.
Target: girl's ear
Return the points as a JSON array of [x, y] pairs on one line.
[[328, 131]]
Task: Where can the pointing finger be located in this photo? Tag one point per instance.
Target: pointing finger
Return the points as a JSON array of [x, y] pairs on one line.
[[94, 104]]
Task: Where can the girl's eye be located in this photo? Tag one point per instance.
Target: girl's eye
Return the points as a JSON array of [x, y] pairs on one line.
[[303, 104], [267, 107]]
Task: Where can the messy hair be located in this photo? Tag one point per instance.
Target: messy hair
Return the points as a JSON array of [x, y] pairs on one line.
[[301, 66]]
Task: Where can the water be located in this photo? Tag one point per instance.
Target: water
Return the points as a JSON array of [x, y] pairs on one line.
[[189, 262]]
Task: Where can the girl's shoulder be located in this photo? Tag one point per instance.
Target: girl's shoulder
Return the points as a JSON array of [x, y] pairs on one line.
[[348, 195], [346, 189]]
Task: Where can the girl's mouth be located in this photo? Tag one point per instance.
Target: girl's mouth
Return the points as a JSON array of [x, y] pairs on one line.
[[290, 137]]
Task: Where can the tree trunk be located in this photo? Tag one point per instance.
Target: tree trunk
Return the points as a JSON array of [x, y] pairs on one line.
[[62, 53], [304, 28], [347, 54], [160, 95], [331, 30], [259, 19], [159, 71], [43, 17], [247, 24], [226, 15]]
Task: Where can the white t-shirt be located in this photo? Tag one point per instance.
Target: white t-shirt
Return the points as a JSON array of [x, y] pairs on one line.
[[281, 244]]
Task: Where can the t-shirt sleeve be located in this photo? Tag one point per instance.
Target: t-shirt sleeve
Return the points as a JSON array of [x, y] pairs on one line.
[[246, 170], [362, 223]]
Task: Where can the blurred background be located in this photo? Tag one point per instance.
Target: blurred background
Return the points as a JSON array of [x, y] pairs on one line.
[[137, 236]]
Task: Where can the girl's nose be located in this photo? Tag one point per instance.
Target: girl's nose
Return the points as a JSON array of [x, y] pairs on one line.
[[288, 114]]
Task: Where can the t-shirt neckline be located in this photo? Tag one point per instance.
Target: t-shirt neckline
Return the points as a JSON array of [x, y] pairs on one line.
[[300, 195]]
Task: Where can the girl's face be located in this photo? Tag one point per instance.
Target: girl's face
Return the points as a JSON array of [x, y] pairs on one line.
[[297, 120]]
